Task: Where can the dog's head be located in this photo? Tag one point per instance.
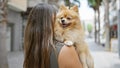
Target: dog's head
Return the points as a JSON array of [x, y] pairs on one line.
[[67, 17]]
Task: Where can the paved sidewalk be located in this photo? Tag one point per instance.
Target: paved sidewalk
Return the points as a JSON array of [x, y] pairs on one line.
[[102, 58], [15, 59]]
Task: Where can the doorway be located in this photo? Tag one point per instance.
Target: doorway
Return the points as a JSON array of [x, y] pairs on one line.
[[10, 37]]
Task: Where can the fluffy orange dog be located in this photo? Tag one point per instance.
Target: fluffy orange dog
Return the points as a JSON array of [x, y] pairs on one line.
[[68, 29]]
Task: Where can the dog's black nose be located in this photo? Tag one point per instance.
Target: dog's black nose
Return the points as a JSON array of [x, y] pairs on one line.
[[62, 21]]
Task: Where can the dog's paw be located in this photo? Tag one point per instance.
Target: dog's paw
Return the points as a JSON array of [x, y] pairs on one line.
[[68, 43]]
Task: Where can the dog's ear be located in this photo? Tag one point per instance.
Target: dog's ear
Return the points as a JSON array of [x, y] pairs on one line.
[[63, 7], [75, 8]]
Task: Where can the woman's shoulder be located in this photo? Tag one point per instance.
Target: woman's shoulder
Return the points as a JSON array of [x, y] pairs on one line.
[[67, 51], [68, 58]]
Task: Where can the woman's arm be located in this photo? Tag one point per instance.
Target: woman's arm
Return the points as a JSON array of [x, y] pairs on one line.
[[68, 58]]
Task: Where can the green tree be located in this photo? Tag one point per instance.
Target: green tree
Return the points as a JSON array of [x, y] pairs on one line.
[[107, 24], [95, 4], [89, 28], [68, 3]]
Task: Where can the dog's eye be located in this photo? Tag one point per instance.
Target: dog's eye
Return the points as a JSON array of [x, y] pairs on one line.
[[61, 18], [68, 18]]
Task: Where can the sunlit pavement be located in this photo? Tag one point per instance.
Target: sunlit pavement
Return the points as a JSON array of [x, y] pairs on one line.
[[102, 58]]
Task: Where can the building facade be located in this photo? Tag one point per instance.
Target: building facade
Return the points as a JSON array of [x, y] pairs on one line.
[[113, 15], [17, 14]]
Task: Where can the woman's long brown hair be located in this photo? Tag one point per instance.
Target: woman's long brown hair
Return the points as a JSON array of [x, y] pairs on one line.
[[39, 37]]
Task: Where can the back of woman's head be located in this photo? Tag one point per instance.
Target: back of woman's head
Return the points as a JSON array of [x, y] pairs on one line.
[[39, 37]]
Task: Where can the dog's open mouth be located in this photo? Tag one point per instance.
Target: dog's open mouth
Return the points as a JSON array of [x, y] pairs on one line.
[[65, 25]]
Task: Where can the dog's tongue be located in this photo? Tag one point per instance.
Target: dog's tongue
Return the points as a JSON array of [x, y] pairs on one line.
[[64, 25]]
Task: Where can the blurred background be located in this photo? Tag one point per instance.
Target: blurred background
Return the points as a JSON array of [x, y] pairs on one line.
[[100, 19]]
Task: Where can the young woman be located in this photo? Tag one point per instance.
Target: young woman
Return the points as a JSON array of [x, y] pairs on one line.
[[40, 51]]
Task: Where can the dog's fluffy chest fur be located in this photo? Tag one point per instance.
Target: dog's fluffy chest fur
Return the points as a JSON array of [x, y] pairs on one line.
[[73, 34]]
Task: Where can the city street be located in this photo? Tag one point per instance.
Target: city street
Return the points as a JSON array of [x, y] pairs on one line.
[[15, 60], [102, 58], [100, 20]]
